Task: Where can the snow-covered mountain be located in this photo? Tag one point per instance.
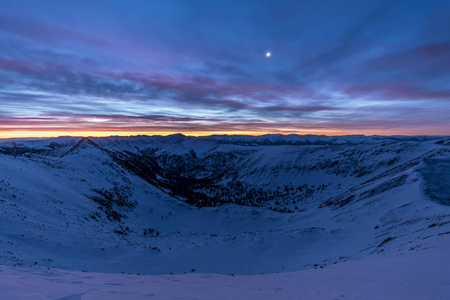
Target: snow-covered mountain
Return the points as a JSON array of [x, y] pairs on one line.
[[67, 200], [220, 204]]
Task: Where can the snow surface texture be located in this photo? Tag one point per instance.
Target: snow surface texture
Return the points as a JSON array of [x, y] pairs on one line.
[[420, 275], [360, 212]]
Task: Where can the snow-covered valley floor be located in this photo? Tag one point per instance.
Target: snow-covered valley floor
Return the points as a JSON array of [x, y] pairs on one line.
[[418, 275]]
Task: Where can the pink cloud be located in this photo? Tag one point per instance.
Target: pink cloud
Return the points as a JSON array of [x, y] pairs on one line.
[[396, 92]]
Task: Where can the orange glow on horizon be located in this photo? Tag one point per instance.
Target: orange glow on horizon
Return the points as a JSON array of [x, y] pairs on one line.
[[105, 133], [50, 134]]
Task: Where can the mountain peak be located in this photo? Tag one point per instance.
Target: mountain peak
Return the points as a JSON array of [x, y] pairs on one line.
[[83, 143]]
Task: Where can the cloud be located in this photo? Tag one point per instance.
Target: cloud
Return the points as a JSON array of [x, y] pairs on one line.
[[397, 92], [423, 61]]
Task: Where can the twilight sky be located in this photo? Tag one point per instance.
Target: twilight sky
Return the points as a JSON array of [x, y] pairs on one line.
[[200, 67]]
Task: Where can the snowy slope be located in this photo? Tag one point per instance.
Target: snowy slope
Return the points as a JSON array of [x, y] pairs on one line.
[[411, 276], [122, 204]]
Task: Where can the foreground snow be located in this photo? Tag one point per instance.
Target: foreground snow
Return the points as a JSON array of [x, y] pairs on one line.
[[416, 275]]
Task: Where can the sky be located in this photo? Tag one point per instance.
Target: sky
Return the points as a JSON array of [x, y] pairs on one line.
[[200, 67]]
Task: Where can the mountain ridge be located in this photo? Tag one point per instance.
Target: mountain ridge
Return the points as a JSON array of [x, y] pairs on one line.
[[156, 205]]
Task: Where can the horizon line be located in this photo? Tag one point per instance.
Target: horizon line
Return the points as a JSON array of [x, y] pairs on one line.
[[218, 134]]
